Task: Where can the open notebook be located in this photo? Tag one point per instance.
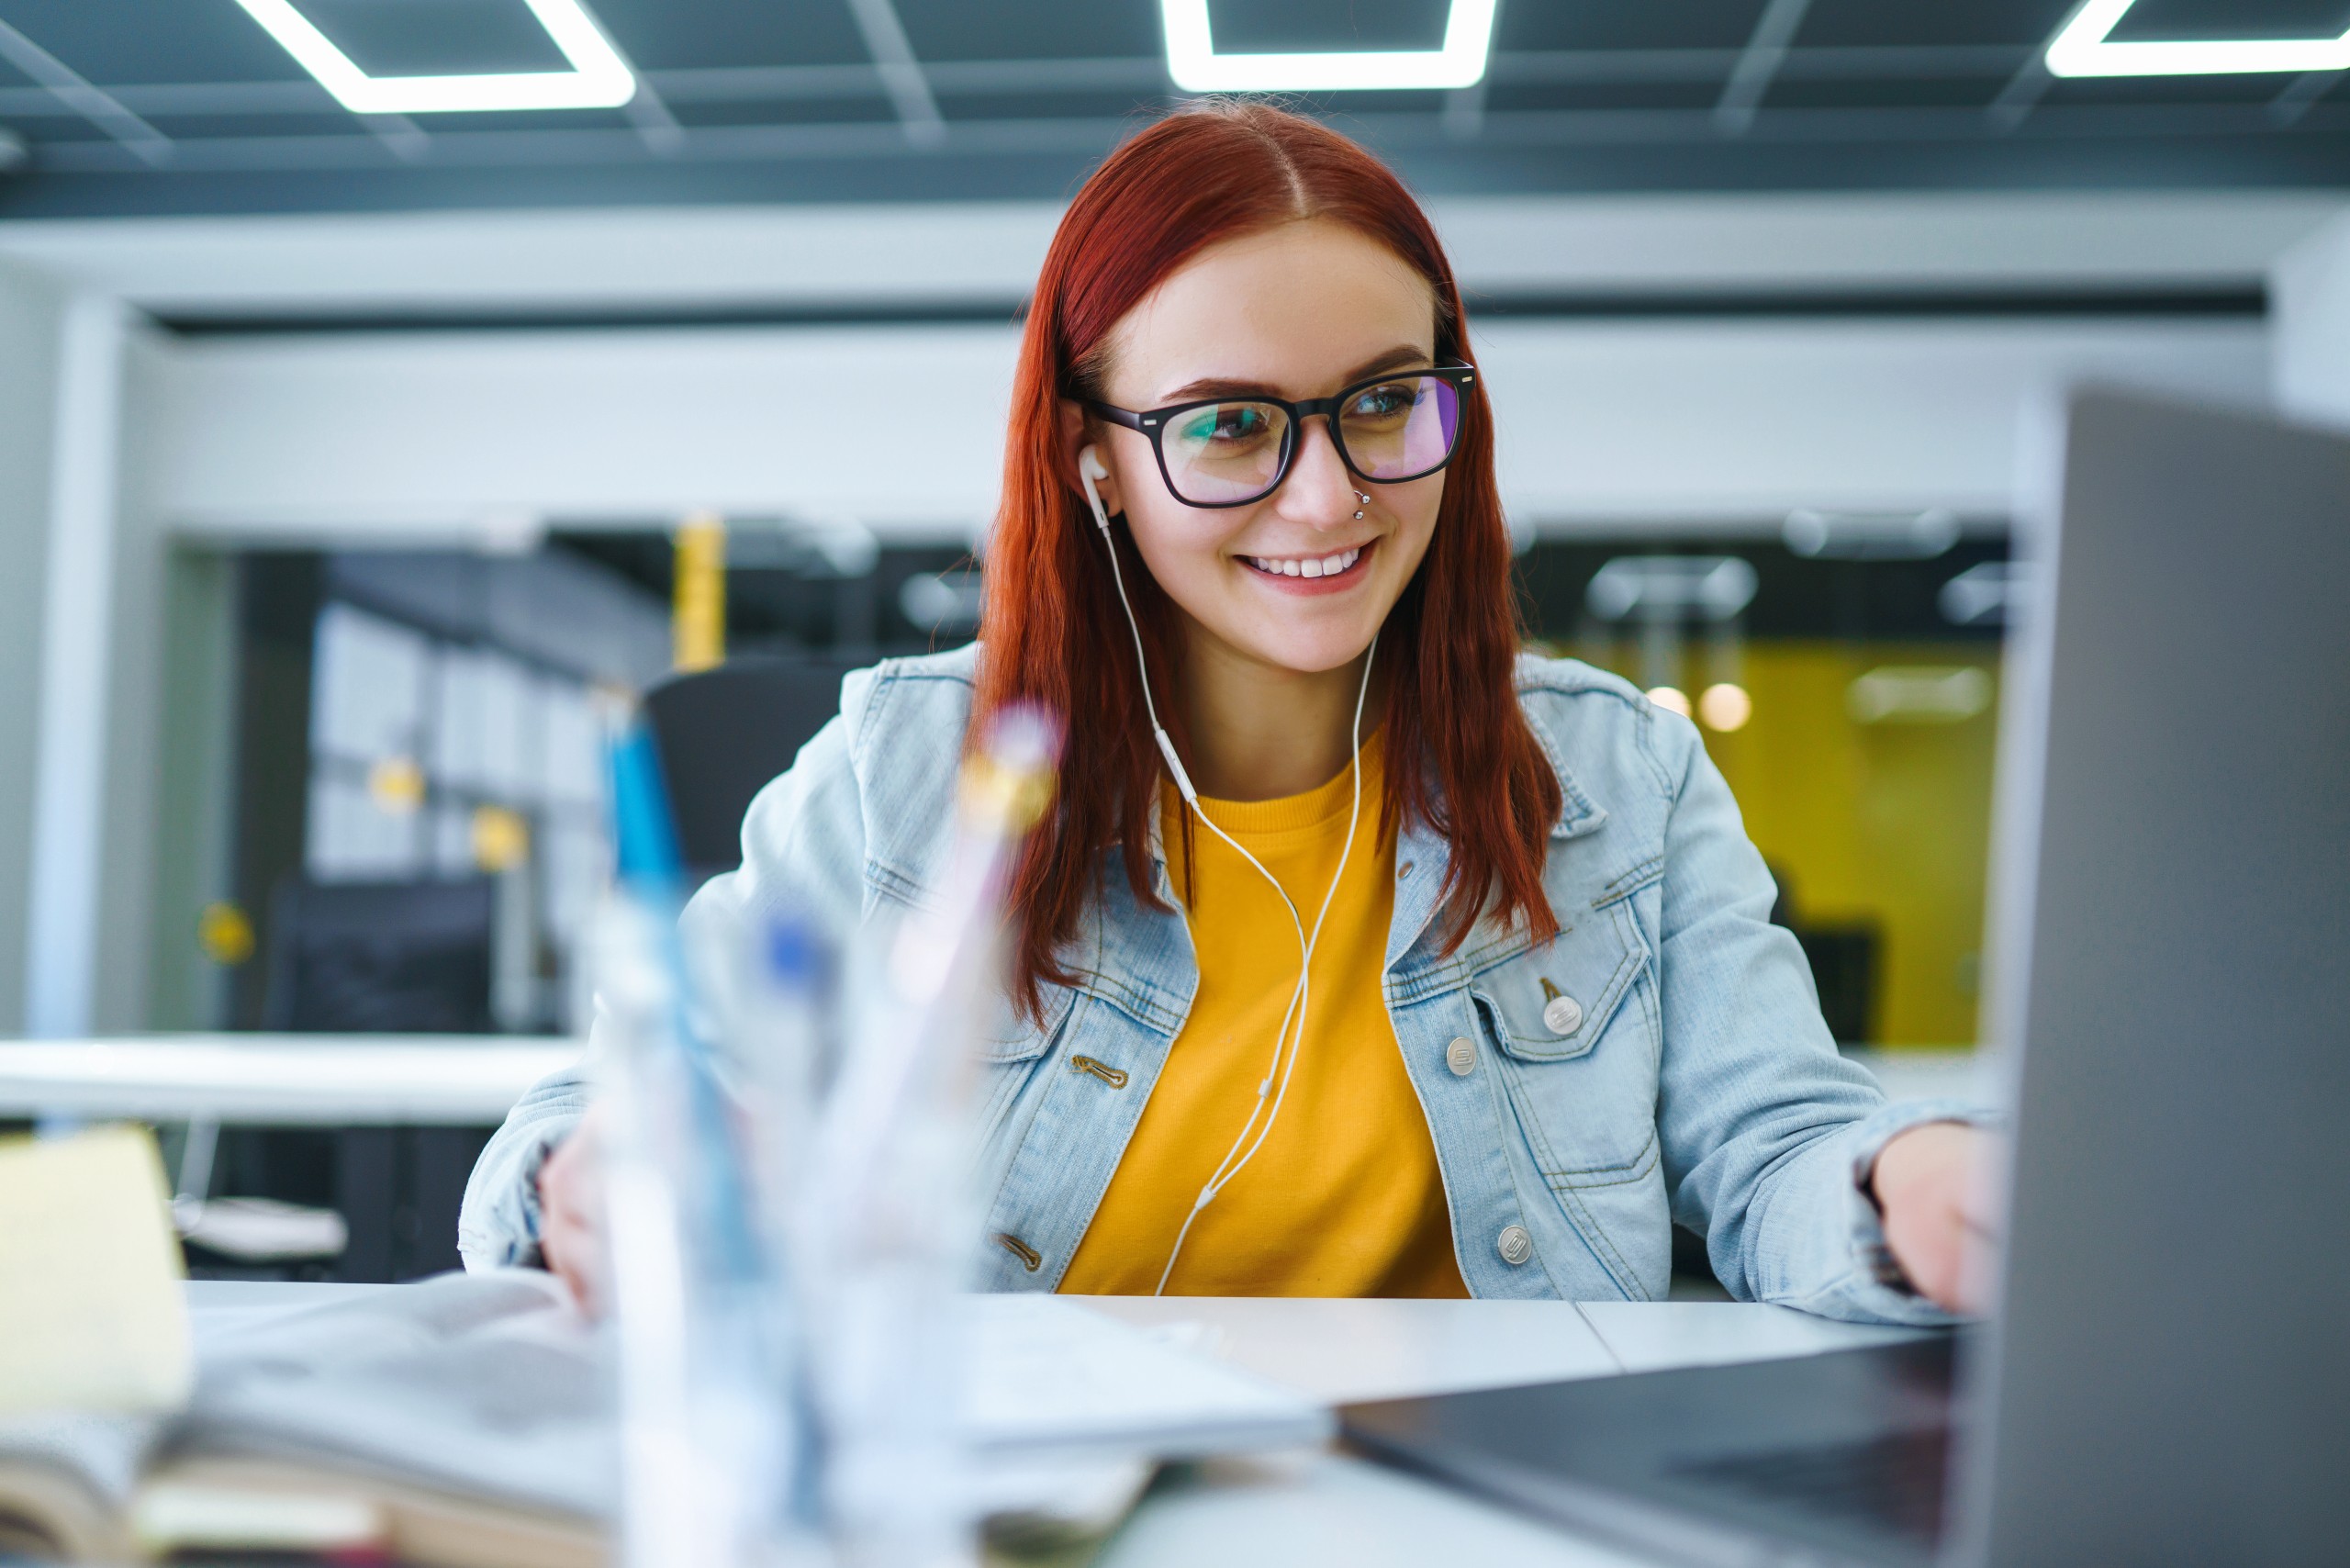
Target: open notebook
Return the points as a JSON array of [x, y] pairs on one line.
[[472, 1411]]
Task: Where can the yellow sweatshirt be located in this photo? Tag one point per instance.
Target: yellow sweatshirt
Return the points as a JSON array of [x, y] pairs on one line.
[[1344, 1198]]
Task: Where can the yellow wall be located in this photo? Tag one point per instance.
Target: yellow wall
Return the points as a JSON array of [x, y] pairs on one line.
[[1888, 821]]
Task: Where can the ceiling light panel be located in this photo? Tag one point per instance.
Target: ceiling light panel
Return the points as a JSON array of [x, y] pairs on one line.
[[1193, 62], [2086, 48], [598, 77]]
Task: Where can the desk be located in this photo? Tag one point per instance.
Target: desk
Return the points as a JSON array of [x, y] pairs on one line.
[[1932, 1072], [279, 1080], [1330, 1507], [399, 1103], [454, 1080]]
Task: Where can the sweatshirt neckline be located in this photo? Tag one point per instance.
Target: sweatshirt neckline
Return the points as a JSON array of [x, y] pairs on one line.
[[1324, 803]]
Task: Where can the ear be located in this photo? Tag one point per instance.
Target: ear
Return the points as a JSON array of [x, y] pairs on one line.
[[1077, 434]]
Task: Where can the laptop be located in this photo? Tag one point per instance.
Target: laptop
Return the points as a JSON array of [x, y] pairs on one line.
[[2166, 1376]]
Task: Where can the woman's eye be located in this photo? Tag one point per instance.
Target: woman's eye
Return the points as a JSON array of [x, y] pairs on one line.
[[1382, 402], [1228, 425]]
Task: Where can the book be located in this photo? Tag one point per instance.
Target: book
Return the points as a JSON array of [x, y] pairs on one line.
[[90, 1315], [466, 1421]]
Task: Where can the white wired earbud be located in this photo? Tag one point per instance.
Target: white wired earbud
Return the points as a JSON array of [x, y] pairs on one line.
[[1090, 468]]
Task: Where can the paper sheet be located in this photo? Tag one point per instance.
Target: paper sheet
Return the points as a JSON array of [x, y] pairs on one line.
[[1045, 1374], [91, 1312]]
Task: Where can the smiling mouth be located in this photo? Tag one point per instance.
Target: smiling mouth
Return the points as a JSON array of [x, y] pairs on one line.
[[1335, 564]]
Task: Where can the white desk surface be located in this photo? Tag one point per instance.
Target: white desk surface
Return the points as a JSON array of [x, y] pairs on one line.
[[1933, 1073], [456, 1080], [1331, 1508], [279, 1080]]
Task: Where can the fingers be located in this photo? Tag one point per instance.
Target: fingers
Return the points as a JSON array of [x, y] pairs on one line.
[[572, 1249], [1978, 1265], [571, 1219], [1928, 1240], [1929, 1187]]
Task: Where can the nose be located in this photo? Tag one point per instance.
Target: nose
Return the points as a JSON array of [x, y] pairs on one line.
[[1320, 490]]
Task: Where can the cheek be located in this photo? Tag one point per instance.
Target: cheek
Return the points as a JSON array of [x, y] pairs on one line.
[[1182, 544], [1415, 510]]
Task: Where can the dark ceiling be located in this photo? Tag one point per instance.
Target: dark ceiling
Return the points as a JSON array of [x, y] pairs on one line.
[[187, 105]]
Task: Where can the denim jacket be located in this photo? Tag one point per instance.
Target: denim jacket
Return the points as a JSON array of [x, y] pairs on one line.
[[1662, 1061]]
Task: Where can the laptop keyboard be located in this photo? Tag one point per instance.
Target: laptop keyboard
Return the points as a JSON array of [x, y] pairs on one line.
[[1892, 1482]]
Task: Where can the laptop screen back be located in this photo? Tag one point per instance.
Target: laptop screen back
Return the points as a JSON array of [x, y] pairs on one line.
[[2170, 1377]]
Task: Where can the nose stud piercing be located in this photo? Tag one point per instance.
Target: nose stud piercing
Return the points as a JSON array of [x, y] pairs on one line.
[[1365, 500]]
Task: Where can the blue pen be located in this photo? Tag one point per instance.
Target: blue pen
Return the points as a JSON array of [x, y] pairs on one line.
[[650, 871]]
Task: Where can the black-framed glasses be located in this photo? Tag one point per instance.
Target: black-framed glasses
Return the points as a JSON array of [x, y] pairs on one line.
[[1229, 452]]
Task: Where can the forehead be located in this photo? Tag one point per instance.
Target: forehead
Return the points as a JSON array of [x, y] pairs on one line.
[[1294, 308]]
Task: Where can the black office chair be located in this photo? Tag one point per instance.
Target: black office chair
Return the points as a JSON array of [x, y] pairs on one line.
[[1844, 963], [1845, 959], [722, 733]]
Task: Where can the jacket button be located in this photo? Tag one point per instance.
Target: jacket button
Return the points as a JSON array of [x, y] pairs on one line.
[[1461, 1057], [1515, 1245], [1562, 1015]]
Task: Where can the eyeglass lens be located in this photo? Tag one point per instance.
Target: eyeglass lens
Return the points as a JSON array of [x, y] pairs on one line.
[[1226, 452]]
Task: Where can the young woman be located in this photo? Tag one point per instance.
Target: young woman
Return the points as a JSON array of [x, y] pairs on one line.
[[1251, 545]]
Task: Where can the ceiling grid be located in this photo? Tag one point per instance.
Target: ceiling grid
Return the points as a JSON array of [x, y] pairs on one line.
[[125, 108]]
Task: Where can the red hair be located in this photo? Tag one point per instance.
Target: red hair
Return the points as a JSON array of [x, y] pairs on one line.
[[1461, 758]]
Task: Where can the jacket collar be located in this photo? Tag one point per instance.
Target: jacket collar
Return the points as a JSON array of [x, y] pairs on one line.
[[1578, 812], [1423, 856]]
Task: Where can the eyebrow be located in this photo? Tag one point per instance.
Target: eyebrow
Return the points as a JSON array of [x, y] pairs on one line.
[[1213, 386]]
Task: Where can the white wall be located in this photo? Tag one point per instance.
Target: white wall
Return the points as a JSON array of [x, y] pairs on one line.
[[1873, 240], [719, 255], [1730, 422], [432, 436], [425, 435]]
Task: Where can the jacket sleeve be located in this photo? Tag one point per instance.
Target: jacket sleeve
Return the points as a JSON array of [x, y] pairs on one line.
[[1769, 1133], [804, 853]]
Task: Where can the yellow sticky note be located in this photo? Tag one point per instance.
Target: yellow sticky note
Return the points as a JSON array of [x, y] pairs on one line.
[[92, 1315]]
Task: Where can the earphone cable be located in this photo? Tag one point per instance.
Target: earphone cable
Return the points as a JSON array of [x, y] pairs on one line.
[[1183, 785], [1300, 994], [1227, 1169], [1314, 939]]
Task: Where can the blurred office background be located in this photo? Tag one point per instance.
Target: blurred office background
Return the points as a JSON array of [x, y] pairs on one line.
[[354, 461]]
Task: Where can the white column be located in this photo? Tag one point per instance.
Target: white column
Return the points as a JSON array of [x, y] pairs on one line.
[[69, 779], [2309, 316]]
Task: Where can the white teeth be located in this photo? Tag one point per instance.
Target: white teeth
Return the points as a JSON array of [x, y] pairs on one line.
[[1320, 567]]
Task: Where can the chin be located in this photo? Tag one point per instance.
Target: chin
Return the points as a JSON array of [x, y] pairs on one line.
[[1316, 657]]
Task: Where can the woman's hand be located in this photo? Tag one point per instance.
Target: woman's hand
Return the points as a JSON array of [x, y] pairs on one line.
[[571, 1212], [1928, 1182]]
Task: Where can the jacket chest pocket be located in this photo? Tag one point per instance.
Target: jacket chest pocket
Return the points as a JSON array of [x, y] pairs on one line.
[[1573, 1025]]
